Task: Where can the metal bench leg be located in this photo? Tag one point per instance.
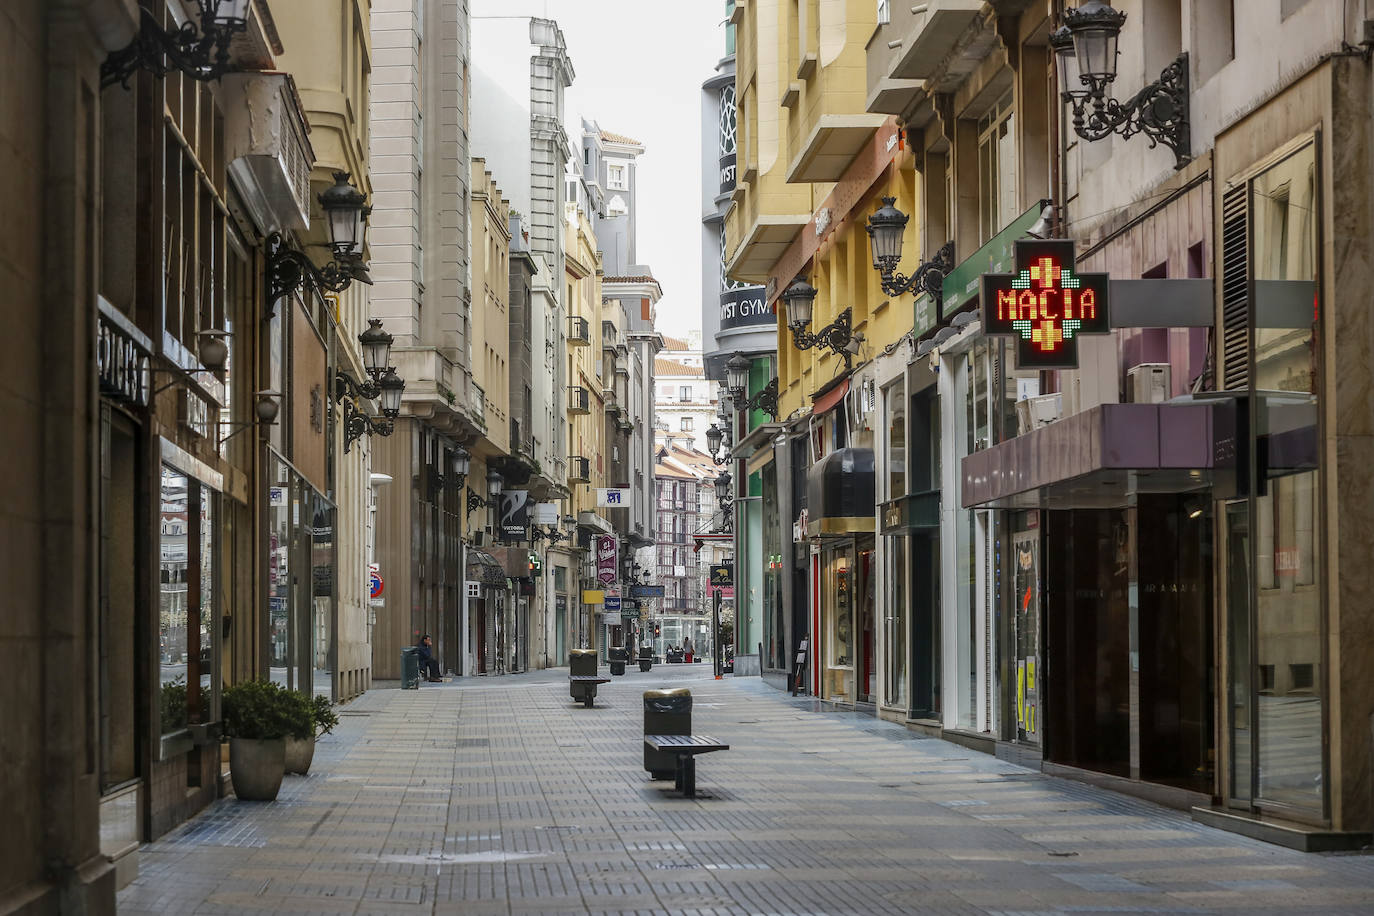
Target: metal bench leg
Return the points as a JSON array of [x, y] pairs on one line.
[[677, 771], [689, 775]]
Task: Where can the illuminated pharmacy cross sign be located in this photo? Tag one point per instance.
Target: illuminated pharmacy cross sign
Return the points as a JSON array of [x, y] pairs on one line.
[[1045, 305]]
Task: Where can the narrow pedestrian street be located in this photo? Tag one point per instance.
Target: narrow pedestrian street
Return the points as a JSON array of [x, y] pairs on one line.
[[502, 795]]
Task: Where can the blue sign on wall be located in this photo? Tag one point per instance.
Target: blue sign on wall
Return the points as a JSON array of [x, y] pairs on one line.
[[646, 591], [611, 605]]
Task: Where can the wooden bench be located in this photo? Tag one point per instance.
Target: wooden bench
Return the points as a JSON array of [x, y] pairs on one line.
[[685, 748], [583, 687]]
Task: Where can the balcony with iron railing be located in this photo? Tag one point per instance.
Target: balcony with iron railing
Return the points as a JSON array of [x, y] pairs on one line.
[[579, 401], [579, 469], [579, 331]]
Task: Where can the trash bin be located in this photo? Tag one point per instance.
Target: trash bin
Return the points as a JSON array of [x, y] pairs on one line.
[[410, 668], [646, 657], [581, 662], [666, 712], [617, 656]]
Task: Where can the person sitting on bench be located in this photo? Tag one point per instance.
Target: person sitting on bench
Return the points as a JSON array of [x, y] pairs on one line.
[[429, 665]]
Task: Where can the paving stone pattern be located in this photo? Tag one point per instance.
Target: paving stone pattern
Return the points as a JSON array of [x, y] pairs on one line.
[[505, 796]]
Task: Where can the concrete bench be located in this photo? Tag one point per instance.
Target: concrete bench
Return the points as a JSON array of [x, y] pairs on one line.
[[685, 748], [583, 687]]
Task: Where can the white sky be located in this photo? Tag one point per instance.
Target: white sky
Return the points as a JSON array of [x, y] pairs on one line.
[[640, 65]]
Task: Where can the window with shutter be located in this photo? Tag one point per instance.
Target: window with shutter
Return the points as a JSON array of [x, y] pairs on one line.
[[1235, 288]]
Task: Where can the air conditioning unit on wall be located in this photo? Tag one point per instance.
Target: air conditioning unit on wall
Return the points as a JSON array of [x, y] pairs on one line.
[[1033, 413], [1149, 383]]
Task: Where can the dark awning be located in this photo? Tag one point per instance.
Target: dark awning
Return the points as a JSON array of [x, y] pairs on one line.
[[839, 493], [484, 568], [1097, 458]]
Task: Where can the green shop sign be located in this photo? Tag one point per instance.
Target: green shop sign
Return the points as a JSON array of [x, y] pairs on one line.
[[996, 257], [923, 317]]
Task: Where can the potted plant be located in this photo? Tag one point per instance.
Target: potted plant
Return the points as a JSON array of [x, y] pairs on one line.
[[258, 717], [301, 751]]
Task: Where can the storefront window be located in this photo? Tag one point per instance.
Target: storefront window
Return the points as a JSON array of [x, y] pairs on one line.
[[894, 633], [186, 602], [838, 594], [1288, 624], [173, 598], [775, 631], [279, 564], [322, 594]]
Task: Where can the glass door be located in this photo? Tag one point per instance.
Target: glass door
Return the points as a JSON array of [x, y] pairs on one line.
[[1239, 704]]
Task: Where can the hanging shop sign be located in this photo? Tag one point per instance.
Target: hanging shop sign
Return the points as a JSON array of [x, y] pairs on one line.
[[593, 596], [1045, 305], [646, 591], [722, 576], [607, 558], [612, 604], [515, 514]]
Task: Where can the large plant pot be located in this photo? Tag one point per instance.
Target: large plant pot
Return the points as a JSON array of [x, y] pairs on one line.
[[299, 753], [257, 767]]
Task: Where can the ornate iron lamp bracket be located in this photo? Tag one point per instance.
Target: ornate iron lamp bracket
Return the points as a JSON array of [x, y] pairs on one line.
[[202, 54], [765, 400], [345, 386], [929, 277], [1159, 111], [475, 501], [288, 270], [356, 423], [836, 335]]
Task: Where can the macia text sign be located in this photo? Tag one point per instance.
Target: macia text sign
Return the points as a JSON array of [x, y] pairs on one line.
[[1045, 305]]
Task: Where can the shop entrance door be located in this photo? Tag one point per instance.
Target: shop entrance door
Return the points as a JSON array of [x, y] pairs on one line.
[[866, 670]]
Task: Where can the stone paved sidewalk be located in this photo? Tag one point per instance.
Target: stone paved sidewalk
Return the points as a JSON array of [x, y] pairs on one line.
[[504, 796]]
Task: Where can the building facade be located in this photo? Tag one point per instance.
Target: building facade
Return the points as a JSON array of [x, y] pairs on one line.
[[1031, 611]]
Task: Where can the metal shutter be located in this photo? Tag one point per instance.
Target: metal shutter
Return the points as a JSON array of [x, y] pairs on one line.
[[1235, 288]]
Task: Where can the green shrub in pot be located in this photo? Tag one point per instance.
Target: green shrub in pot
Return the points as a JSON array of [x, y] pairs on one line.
[[258, 718]]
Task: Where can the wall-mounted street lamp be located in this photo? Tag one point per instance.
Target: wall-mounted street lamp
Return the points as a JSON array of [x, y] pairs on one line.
[[213, 353], [737, 380], [382, 383], [461, 463], [202, 54], [491, 500], [265, 412], [1085, 50], [724, 497], [885, 229], [839, 335], [346, 212], [714, 436]]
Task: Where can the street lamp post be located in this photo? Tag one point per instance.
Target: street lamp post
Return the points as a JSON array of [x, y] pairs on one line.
[[838, 336]]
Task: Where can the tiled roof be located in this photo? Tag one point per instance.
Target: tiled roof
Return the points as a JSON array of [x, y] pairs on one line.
[[606, 135], [669, 367], [674, 343], [640, 279]]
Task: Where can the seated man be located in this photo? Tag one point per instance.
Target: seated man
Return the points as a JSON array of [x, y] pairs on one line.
[[429, 665]]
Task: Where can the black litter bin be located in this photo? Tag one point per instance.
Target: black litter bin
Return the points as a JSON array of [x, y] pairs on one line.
[[617, 656], [581, 662], [646, 657], [666, 712], [410, 668]]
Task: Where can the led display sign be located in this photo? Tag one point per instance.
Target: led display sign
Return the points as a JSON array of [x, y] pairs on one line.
[[1045, 305]]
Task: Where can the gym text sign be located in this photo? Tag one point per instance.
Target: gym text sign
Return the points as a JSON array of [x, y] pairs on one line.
[[1045, 305]]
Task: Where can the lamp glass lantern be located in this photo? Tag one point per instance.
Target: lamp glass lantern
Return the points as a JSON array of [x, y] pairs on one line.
[[1066, 59], [800, 298], [494, 483], [462, 462], [345, 211], [214, 349], [885, 229], [226, 12], [723, 487], [713, 438], [1095, 27], [391, 386], [376, 345], [737, 377]]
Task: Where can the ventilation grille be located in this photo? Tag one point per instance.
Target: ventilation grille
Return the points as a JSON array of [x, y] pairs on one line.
[[1235, 289]]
